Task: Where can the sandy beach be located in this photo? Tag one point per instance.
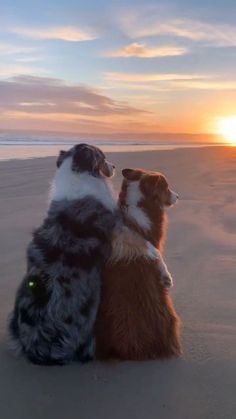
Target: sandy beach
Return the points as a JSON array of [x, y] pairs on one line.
[[200, 253]]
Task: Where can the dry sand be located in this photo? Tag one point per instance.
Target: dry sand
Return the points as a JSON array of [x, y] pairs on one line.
[[200, 251]]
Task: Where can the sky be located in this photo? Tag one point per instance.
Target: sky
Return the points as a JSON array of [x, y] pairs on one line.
[[120, 68]]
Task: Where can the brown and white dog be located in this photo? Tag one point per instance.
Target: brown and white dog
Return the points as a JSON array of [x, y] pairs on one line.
[[137, 319]]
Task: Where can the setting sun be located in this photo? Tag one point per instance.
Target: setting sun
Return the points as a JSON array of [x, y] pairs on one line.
[[227, 128]]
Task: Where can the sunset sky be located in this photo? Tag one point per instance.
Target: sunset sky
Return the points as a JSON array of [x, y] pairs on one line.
[[117, 67]]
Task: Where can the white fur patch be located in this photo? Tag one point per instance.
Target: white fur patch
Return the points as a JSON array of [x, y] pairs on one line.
[[153, 252], [71, 185], [134, 196], [166, 277], [174, 197], [111, 168]]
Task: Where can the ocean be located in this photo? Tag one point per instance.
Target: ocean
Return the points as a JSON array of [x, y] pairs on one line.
[[18, 146]]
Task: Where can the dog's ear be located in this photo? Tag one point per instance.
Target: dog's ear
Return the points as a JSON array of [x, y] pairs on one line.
[[127, 173], [60, 158], [132, 174]]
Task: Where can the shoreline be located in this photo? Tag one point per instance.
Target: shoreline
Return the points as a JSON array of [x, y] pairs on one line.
[[24, 152]]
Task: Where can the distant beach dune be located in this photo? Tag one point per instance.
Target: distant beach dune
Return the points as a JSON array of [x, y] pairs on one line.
[[200, 252]]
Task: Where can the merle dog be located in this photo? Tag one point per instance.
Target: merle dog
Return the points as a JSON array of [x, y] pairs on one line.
[[56, 304]]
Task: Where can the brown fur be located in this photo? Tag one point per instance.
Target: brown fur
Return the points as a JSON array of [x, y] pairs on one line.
[[137, 319]]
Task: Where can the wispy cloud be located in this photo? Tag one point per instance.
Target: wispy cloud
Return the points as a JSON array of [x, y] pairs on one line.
[[29, 59], [123, 126], [27, 102], [49, 95], [155, 77], [166, 82], [16, 70], [205, 85], [144, 51], [64, 33], [138, 25], [11, 49]]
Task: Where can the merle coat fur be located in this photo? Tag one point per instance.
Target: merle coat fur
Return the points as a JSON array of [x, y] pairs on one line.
[[57, 301]]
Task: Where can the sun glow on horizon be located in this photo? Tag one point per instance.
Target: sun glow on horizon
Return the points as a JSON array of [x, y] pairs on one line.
[[227, 128]]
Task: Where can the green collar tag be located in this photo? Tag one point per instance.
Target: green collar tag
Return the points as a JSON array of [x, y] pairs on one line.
[[32, 283]]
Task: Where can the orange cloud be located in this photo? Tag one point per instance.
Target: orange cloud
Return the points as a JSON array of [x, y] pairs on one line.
[[205, 85], [37, 103], [139, 77], [165, 83], [80, 124], [64, 33], [143, 51]]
